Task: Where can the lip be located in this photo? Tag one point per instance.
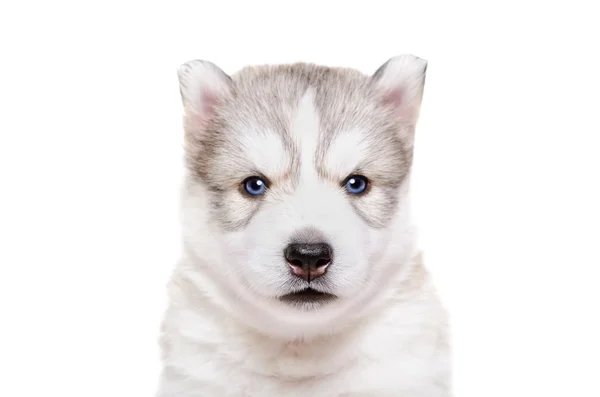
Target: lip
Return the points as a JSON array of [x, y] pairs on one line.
[[307, 296]]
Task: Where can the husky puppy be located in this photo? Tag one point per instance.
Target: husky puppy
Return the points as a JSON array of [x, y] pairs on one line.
[[300, 273]]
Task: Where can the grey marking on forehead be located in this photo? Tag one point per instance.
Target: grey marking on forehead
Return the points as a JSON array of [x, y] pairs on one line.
[[264, 100]]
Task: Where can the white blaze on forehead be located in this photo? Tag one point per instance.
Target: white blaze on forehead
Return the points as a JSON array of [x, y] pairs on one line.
[[305, 130], [344, 154]]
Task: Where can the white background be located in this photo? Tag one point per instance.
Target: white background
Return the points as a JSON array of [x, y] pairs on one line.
[[90, 161]]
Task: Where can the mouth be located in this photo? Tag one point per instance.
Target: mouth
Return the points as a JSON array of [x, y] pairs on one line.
[[307, 295]]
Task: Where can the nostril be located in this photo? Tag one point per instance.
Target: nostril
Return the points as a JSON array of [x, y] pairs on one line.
[[295, 262], [322, 262]]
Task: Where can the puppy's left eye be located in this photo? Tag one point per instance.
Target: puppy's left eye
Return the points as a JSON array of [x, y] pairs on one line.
[[254, 186], [356, 184]]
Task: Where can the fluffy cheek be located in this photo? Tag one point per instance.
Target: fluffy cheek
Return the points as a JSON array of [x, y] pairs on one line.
[[377, 252], [205, 220], [394, 245], [256, 253], [365, 241]]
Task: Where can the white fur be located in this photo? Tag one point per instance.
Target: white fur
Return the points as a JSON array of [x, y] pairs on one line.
[[305, 129], [226, 334]]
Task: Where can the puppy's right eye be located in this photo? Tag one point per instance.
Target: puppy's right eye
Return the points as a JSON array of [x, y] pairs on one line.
[[356, 184], [254, 186]]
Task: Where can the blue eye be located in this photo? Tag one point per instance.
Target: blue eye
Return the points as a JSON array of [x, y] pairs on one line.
[[255, 186], [356, 184]]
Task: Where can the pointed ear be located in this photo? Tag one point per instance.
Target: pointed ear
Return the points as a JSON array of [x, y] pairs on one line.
[[402, 80], [202, 85]]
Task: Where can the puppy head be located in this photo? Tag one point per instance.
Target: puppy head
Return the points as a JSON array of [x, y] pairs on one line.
[[296, 204]]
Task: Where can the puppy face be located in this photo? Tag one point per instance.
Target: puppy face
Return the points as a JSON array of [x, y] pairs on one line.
[[297, 185]]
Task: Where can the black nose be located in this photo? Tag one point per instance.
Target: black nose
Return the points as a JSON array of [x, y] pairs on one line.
[[308, 261]]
